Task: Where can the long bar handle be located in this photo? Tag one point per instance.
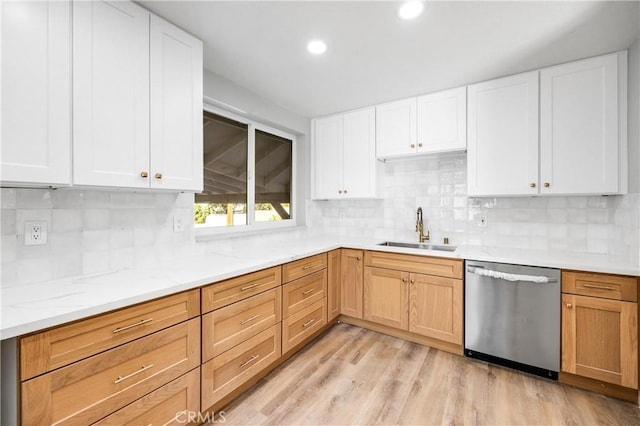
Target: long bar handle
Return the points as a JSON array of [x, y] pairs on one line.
[[517, 277], [308, 323], [243, 322], [598, 287], [249, 361], [249, 287], [137, 324], [128, 376], [304, 268], [304, 293]]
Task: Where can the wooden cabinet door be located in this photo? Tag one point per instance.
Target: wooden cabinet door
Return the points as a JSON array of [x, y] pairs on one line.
[[396, 128], [176, 108], [351, 282], [327, 157], [579, 126], [333, 284], [442, 121], [600, 339], [36, 92], [386, 294], [436, 307], [110, 94], [502, 150], [359, 155]]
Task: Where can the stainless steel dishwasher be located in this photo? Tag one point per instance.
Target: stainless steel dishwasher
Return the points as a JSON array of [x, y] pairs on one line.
[[512, 316]]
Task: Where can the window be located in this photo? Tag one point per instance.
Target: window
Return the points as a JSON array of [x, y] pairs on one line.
[[248, 174]]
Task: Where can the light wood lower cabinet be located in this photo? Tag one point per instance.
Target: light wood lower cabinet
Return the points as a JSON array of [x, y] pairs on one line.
[[386, 297], [351, 282], [88, 390], [173, 404], [303, 324], [333, 284], [233, 290], [600, 339], [436, 307], [303, 292], [227, 327], [299, 268], [226, 372]]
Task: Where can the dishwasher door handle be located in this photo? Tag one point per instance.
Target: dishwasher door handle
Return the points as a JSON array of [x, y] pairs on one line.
[[506, 276]]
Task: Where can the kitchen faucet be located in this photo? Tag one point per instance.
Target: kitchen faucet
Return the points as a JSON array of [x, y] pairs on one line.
[[420, 227]]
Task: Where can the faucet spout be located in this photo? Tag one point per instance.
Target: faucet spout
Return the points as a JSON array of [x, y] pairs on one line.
[[420, 226]]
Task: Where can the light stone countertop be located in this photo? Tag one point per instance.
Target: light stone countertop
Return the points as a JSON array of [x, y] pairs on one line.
[[32, 307]]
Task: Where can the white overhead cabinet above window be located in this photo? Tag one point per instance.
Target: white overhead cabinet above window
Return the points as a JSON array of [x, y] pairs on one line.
[[344, 163], [577, 145], [135, 125], [427, 124], [36, 93]]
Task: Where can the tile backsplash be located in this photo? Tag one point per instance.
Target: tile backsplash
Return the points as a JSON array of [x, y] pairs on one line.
[[438, 184], [90, 231]]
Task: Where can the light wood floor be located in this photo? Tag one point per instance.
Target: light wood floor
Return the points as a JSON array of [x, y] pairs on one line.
[[355, 376]]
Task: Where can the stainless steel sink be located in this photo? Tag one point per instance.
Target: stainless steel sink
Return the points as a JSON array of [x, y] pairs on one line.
[[422, 246]]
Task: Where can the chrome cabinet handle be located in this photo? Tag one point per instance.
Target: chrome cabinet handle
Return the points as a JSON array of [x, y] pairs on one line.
[[598, 287], [243, 322], [137, 324], [249, 361], [128, 376]]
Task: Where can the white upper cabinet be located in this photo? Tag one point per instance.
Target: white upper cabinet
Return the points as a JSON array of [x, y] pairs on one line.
[[36, 93], [111, 94], [137, 99], [176, 108], [396, 128], [442, 121], [344, 163], [423, 125], [502, 151], [582, 143]]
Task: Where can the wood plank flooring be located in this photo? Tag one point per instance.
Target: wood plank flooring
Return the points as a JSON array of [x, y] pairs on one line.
[[355, 376]]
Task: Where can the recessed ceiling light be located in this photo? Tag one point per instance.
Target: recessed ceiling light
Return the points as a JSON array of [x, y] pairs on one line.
[[317, 47], [410, 9]]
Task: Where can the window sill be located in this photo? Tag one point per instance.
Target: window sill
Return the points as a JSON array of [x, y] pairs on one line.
[[211, 233]]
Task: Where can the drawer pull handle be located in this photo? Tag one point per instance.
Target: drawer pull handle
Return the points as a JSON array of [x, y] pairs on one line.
[[249, 361], [249, 287], [128, 376], [137, 324], [308, 323], [304, 293], [304, 268], [243, 322], [569, 305], [598, 287]]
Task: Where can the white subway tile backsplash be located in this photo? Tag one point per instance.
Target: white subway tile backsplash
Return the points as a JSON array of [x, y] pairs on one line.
[[94, 219], [94, 262], [95, 240], [7, 198], [8, 222], [33, 199], [65, 220]]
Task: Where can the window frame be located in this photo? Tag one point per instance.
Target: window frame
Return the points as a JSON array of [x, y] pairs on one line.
[[202, 231]]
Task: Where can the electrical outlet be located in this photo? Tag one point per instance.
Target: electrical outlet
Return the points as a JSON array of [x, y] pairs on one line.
[[178, 224], [35, 233]]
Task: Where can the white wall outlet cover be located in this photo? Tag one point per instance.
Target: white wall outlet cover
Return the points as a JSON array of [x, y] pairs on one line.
[[178, 224], [35, 233]]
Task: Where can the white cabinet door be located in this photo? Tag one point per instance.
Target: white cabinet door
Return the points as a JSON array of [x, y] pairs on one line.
[[176, 108], [327, 157], [359, 158], [502, 152], [36, 93], [396, 128], [442, 121], [579, 137], [111, 94]]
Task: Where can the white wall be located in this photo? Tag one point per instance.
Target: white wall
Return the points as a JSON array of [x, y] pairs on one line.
[[634, 117]]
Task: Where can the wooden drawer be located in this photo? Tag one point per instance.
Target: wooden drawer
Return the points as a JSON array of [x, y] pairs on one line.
[[301, 325], [303, 292], [294, 270], [225, 328], [230, 291], [615, 287], [226, 372], [93, 388], [169, 405], [64, 345], [441, 267]]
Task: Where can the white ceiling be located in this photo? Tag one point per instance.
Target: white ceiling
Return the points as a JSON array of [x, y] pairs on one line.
[[374, 56]]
